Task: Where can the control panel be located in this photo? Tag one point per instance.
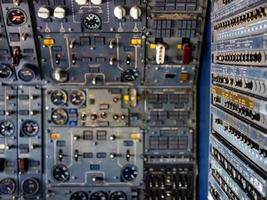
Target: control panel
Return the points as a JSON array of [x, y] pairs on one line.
[[98, 99], [238, 140]]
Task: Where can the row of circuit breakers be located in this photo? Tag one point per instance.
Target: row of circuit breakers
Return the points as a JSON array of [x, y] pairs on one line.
[[238, 140], [98, 99]]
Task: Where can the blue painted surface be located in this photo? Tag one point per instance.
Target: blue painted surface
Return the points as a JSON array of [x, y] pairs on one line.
[[203, 112]]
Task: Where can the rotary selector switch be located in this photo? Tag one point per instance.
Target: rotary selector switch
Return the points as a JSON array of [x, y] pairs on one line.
[[61, 173], [30, 186], [81, 2], [7, 186], [5, 71], [119, 12], [135, 12], [60, 75], [96, 2], [43, 12], [59, 12]]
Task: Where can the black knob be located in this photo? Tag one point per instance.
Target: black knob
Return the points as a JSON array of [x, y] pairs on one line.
[[249, 85]]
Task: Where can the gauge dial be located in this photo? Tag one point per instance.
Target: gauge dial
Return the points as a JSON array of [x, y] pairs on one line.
[[30, 186], [99, 196], [7, 186], [5, 71], [79, 196], [59, 97], [129, 172], [30, 128], [7, 128], [16, 17], [59, 116], [26, 74], [92, 21], [61, 173], [118, 196], [77, 97], [129, 75]]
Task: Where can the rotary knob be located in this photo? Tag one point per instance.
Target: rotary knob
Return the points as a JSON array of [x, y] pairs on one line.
[[81, 2], [59, 12], [5, 71], [135, 12], [96, 2], [119, 12], [43, 12], [60, 75]]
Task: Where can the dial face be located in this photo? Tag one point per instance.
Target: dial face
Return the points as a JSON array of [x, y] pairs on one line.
[[99, 196], [26, 74], [118, 196], [7, 128], [129, 75], [79, 196], [59, 97], [5, 71], [7, 186], [91, 21], [77, 97], [129, 172], [30, 128], [59, 116], [61, 173], [30, 186], [16, 17]]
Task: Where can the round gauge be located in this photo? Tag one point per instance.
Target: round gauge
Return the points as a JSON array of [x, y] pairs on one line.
[[79, 196], [7, 186], [61, 173], [7, 128], [5, 71], [77, 97], [91, 21], [129, 172], [30, 186], [16, 17], [26, 74], [129, 75], [30, 128], [118, 196], [59, 97], [99, 196], [59, 116]]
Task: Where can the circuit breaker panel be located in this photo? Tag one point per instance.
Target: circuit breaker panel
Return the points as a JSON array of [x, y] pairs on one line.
[[238, 141], [98, 99]]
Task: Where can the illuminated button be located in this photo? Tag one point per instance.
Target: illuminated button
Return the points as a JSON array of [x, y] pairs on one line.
[[48, 41], [184, 76], [152, 46], [55, 136], [136, 41], [126, 98], [135, 136], [43, 13], [179, 46]]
